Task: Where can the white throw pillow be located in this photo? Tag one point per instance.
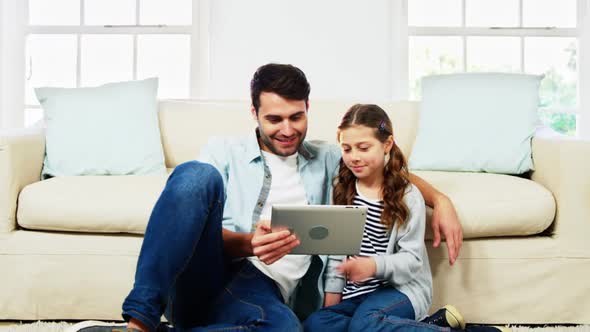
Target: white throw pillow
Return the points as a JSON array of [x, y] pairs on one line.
[[478, 122], [111, 129]]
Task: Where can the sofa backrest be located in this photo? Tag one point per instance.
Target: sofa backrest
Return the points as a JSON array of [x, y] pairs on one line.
[[186, 125]]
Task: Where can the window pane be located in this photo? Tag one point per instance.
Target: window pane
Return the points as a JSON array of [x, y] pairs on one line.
[[497, 54], [101, 12], [433, 55], [491, 13], [167, 57], [51, 61], [178, 12], [434, 13], [549, 13], [106, 59], [564, 123], [33, 117], [54, 12], [557, 58]]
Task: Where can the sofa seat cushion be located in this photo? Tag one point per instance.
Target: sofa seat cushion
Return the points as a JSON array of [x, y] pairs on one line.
[[490, 205], [104, 204]]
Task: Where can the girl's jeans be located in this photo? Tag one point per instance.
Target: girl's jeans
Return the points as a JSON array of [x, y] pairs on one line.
[[385, 309]]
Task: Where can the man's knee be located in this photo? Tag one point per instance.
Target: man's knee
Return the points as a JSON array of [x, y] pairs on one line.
[[197, 169], [196, 176]]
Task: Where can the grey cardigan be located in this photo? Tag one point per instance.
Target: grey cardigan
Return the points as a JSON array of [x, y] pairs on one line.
[[405, 265]]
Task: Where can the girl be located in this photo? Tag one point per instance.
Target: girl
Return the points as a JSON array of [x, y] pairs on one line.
[[389, 284]]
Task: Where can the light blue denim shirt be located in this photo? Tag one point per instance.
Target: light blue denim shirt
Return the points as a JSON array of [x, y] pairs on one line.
[[247, 179]]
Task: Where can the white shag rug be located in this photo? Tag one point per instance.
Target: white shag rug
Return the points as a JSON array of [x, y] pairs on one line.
[[61, 326]]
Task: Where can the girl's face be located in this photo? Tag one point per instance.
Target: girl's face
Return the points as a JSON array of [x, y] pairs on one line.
[[362, 152]]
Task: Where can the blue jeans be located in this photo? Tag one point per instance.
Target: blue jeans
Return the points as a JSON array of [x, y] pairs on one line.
[[385, 309], [183, 272]]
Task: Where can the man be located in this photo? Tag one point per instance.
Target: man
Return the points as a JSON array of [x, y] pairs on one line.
[[239, 276]]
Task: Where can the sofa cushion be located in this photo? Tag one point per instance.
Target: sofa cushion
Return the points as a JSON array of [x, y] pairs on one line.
[[477, 122], [488, 205], [491, 205], [106, 204], [111, 129]]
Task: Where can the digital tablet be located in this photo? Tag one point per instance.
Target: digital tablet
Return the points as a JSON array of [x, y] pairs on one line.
[[322, 229]]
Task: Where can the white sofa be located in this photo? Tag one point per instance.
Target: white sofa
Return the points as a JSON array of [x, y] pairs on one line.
[[69, 245]]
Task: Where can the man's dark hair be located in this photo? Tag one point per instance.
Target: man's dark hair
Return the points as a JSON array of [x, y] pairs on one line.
[[287, 81]]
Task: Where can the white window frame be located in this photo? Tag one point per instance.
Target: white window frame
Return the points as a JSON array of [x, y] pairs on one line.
[[15, 28], [13, 14], [583, 123], [581, 32]]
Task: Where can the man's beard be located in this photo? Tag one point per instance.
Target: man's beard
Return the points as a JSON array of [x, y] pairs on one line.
[[268, 142]]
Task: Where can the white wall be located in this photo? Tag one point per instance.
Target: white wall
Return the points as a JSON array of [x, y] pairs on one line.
[[1, 65], [343, 46]]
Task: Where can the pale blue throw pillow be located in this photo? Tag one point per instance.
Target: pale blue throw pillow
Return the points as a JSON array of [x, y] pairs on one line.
[[111, 129], [478, 122]]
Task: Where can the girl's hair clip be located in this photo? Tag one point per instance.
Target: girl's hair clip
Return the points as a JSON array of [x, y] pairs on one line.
[[382, 126]]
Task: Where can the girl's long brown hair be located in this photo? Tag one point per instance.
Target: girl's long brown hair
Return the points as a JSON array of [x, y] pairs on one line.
[[396, 176]]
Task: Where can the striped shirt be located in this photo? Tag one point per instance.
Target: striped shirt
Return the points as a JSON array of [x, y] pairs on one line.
[[374, 243]]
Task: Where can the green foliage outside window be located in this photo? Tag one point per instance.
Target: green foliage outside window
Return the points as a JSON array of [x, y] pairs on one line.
[[555, 91], [564, 123]]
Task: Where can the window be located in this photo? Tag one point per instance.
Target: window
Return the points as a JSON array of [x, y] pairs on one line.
[[526, 36], [81, 43]]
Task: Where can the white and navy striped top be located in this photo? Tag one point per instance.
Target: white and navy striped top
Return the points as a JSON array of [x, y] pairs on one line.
[[374, 243]]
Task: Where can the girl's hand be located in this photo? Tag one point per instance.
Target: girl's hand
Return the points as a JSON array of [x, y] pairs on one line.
[[358, 268], [332, 299]]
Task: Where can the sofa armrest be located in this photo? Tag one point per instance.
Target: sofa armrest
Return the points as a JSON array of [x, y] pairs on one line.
[[562, 166], [21, 160]]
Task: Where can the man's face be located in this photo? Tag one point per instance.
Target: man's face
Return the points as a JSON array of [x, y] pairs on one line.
[[282, 123]]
